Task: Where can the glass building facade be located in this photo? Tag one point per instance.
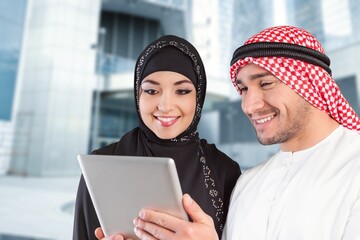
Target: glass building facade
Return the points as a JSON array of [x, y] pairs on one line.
[[57, 76], [12, 17], [249, 18]]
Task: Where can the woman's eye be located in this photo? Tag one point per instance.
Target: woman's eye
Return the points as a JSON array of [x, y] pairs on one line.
[[150, 91], [183, 91]]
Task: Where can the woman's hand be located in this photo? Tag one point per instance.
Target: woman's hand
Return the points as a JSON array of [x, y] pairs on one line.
[[100, 235], [151, 225]]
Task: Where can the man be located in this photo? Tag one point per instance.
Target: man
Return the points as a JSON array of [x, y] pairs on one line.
[[310, 189]]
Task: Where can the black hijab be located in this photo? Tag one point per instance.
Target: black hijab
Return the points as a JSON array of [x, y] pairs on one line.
[[204, 172]]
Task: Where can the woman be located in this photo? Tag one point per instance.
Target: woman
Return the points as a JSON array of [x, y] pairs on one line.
[[170, 85]]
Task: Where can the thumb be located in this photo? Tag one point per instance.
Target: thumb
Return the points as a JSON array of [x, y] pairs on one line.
[[99, 233], [195, 211]]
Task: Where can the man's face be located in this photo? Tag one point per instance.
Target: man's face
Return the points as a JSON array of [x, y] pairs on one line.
[[278, 114]]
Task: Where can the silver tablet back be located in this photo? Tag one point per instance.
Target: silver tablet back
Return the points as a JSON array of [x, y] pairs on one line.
[[120, 186]]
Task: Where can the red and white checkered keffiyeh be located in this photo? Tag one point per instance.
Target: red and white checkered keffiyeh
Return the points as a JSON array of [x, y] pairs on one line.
[[311, 82]]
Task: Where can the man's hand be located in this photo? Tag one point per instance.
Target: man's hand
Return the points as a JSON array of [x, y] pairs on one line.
[[151, 225]]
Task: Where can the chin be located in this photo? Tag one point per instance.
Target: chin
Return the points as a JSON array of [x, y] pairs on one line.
[[266, 140], [166, 136]]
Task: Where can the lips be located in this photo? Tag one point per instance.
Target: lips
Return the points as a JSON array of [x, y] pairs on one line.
[[259, 121], [264, 120], [166, 121]]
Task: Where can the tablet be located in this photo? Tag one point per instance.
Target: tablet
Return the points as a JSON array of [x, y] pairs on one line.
[[120, 186]]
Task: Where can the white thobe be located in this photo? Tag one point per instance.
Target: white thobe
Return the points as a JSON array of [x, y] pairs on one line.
[[311, 194]]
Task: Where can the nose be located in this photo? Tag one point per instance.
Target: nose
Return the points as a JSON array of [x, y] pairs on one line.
[[252, 101], [166, 102]]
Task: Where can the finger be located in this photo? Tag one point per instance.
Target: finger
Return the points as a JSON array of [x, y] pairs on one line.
[[161, 219], [195, 211], [101, 236], [143, 235], [149, 230], [99, 233], [115, 237]]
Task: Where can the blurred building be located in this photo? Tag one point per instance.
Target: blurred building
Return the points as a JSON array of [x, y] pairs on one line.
[[308, 15], [65, 76], [12, 16], [211, 30], [246, 23]]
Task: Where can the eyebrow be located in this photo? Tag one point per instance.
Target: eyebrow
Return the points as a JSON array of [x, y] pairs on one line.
[[183, 81], [150, 81], [176, 83], [255, 76]]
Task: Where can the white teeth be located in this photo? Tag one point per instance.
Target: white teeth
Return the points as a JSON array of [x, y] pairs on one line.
[[264, 119], [167, 119]]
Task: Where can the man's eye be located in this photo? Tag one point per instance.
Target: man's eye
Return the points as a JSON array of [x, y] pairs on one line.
[[183, 91], [266, 84], [150, 91], [242, 89]]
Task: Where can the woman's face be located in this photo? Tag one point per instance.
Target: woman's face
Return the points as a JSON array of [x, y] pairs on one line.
[[167, 103]]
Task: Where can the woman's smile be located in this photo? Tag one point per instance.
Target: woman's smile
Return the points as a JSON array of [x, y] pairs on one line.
[[167, 121]]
